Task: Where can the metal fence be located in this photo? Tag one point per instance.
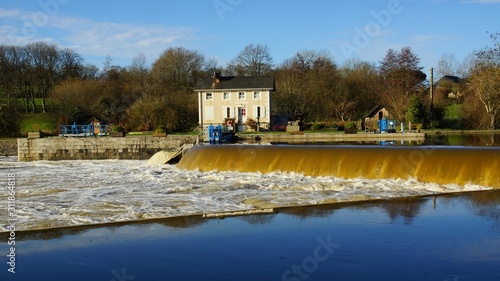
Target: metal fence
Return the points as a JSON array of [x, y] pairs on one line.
[[84, 130]]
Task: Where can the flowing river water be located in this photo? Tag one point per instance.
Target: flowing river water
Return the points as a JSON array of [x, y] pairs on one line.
[[231, 178], [393, 225]]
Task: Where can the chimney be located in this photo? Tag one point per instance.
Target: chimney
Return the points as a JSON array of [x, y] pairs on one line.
[[216, 76]]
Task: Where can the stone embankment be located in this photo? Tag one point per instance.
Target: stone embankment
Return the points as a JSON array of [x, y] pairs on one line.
[[139, 148], [8, 147]]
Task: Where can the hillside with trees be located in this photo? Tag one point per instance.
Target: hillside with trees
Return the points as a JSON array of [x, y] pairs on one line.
[[42, 78]]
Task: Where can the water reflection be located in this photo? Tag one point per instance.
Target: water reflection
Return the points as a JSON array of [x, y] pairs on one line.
[[453, 237], [487, 205], [406, 208], [463, 139], [183, 222], [438, 138]]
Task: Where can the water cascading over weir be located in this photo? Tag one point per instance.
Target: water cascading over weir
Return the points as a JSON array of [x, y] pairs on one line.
[[441, 165]]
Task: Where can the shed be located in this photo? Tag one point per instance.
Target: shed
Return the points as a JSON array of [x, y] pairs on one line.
[[370, 120], [96, 125]]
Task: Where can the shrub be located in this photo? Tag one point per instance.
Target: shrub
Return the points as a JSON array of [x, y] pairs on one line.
[[340, 125], [161, 129], [9, 121], [118, 129], [318, 126], [252, 124], [350, 125]]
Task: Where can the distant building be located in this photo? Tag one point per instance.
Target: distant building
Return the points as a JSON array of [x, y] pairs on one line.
[[231, 101], [450, 87], [370, 120]]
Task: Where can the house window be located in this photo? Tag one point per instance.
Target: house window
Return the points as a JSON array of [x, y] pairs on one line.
[[241, 96], [209, 112], [226, 96], [209, 96], [256, 95], [259, 112], [227, 112]]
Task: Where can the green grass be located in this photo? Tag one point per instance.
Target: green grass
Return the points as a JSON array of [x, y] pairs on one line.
[[19, 103], [191, 133], [261, 133], [453, 111], [45, 122], [324, 131], [453, 117]]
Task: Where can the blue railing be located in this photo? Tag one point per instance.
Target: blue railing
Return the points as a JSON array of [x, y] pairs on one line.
[[84, 130]]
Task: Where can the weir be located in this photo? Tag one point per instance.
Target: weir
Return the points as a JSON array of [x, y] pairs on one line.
[[441, 165]]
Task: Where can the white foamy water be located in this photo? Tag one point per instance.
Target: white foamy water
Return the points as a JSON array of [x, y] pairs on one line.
[[66, 193]]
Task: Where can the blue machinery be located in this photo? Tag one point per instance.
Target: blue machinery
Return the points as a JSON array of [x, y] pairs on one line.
[[218, 134], [387, 126], [84, 130]]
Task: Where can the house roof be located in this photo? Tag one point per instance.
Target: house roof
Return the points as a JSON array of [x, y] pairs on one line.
[[237, 83], [373, 111], [448, 79]]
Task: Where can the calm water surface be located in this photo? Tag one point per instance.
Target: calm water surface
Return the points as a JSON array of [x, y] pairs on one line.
[[482, 139], [449, 237]]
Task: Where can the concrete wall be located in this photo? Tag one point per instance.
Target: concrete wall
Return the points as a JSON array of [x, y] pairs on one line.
[[97, 148], [8, 147], [328, 137]]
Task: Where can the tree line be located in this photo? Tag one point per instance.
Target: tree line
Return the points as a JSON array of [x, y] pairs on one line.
[[310, 86]]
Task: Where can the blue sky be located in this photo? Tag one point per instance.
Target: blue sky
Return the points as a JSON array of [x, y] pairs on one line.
[[220, 29]]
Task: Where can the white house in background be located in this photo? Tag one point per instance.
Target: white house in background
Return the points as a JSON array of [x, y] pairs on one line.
[[231, 101]]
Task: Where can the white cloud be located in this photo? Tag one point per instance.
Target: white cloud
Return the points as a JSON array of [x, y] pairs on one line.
[[91, 38], [428, 39]]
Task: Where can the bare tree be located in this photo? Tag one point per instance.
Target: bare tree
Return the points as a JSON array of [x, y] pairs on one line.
[[486, 87], [173, 77], [466, 67], [44, 59], [402, 77], [254, 60], [358, 91], [485, 79], [139, 64], [71, 64], [90, 72], [447, 65], [304, 84], [178, 69]]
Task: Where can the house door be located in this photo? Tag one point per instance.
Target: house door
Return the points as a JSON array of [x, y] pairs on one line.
[[242, 115]]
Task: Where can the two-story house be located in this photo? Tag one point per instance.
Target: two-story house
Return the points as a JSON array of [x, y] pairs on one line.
[[231, 101]]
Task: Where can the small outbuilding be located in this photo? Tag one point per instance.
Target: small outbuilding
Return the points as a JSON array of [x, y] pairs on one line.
[[96, 125], [370, 120]]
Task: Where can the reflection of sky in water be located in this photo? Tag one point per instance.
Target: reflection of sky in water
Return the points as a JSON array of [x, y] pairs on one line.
[[87, 192]]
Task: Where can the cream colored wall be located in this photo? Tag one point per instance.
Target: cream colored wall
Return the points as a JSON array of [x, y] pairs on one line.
[[214, 109]]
